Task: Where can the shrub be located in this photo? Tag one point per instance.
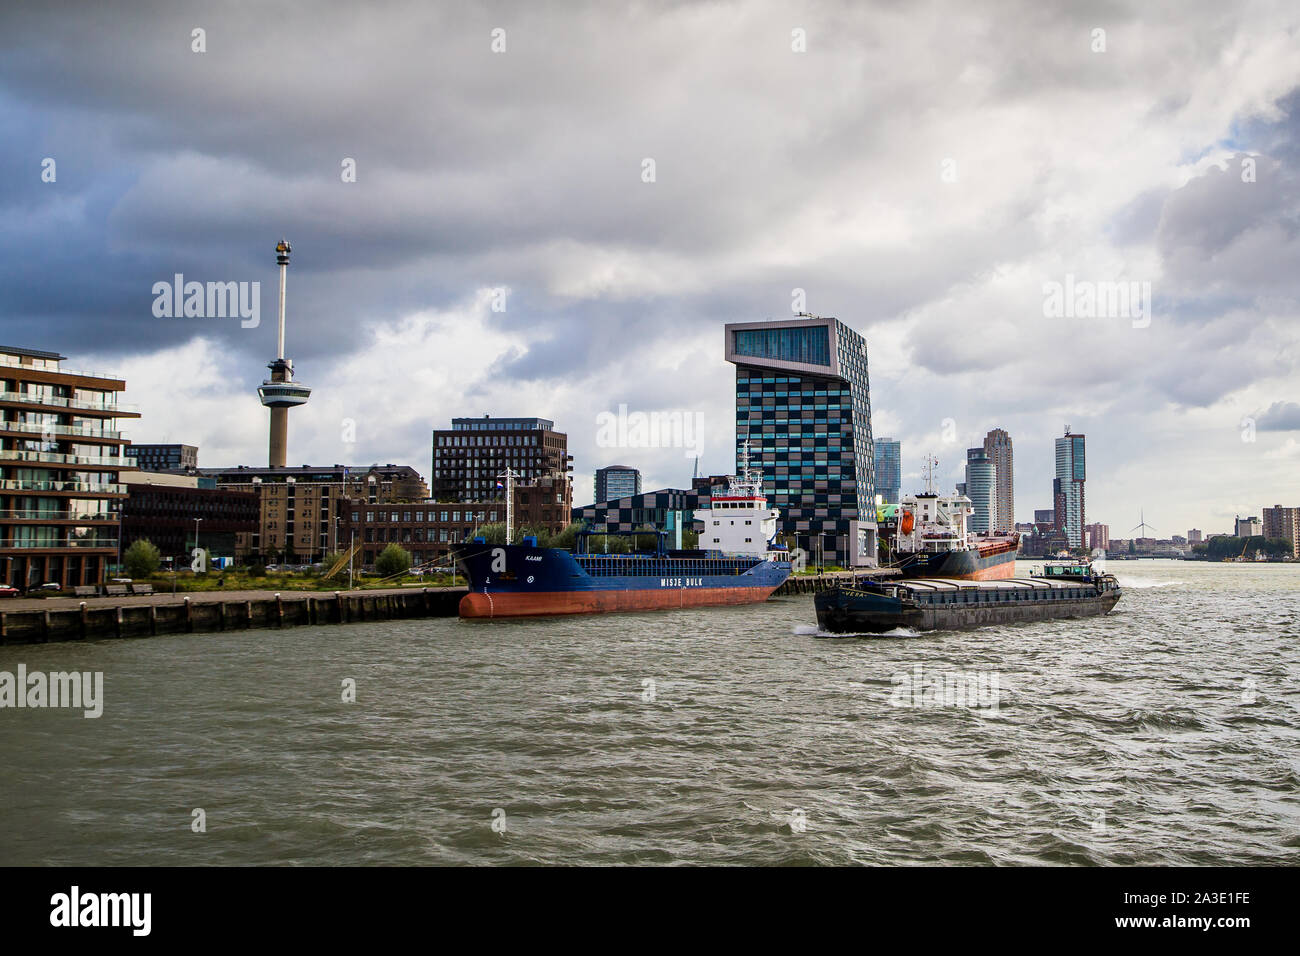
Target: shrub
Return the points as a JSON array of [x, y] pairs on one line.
[[393, 560], [141, 559]]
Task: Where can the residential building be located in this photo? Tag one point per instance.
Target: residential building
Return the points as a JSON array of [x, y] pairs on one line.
[[1194, 536], [998, 447], [61, 460], [889, 469], [162, 508], [301, 509], [1282, 522], [617, 481], [1098, 536], [184, 458], [980, 489], [470, 457], [803, 405], [1068, 487]]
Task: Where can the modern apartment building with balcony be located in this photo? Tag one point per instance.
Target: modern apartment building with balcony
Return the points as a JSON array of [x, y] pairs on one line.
[[60, 456]]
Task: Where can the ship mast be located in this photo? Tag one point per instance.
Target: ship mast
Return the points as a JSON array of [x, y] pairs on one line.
[[510, 475], [931, 463]]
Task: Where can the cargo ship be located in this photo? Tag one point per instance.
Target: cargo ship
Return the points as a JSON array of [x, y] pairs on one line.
[[739, 563], [1061, 590], [933, 540]]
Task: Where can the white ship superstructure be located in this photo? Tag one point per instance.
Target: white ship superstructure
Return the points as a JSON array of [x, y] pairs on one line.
[[739, 522]]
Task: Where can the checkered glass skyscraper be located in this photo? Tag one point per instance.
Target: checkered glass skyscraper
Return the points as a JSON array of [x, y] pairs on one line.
[[804, 403]]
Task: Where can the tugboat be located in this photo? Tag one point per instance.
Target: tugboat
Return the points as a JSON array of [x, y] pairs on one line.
[[738, 563], [933, 540], [1062, 589]]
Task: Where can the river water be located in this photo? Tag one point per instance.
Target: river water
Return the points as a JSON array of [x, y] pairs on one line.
[[1165, 733]]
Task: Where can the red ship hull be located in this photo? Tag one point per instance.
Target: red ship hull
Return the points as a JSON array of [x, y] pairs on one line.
[[521, 604]]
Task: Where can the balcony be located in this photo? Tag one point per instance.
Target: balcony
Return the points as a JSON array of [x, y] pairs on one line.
[[101, 544], [71, 431], [53, 516], [25, 398], [77, 487], [53, 458]]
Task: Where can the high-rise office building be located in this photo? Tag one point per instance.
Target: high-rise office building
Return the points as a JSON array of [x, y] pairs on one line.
[[997, 445], [980, 490], [470, 457], [1071, 473], [60, 460], [803, 403], [889, 469], [617, 481]]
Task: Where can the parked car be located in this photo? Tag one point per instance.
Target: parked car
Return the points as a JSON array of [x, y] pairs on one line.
[[7, 591]]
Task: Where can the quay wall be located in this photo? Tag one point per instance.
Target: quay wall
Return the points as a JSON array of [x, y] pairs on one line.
[[186, 616]]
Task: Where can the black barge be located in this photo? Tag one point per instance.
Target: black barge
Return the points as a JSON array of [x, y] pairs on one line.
[[1060, 590]]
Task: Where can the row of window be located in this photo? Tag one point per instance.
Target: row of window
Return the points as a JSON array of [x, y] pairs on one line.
[[466, 441], [419, 516]]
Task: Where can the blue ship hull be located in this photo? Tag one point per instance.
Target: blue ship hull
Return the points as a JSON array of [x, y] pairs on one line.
[[520, 580]]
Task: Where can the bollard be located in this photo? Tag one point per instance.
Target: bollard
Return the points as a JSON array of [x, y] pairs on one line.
[[84, 612]]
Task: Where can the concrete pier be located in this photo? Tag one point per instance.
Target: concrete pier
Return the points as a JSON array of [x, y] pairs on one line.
[[64, 620]]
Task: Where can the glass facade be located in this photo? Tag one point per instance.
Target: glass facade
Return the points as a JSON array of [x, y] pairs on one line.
[[809, 345], [1071, 473], [889, 469], [980, 489], [811, 436]]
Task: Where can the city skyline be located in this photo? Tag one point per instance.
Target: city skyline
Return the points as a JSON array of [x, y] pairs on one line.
[[436, 275]]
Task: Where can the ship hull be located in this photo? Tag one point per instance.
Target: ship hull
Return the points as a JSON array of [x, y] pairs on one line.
[[994, 561], [523, 581], [844, 611], [543, 603]]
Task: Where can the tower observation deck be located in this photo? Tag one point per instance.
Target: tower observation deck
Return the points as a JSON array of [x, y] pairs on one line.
[[280, 392]]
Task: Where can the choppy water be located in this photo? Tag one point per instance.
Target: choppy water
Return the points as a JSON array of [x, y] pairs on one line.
[[1167, 732]]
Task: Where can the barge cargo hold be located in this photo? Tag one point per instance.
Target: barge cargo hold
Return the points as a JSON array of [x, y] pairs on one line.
[[1061, 591]]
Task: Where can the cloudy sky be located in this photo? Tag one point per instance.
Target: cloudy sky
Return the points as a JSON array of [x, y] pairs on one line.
[[922, 171]]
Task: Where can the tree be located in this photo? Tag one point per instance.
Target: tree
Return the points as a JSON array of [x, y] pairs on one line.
[[568, 537], [392, 561], [141, 558], [493, 533]]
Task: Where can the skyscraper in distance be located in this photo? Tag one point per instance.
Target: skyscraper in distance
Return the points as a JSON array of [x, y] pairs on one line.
[[997, 446], [979, 489], [1071, 473], [889, 469]]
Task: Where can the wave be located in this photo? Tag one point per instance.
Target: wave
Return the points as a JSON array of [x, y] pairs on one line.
[[1138, 583]]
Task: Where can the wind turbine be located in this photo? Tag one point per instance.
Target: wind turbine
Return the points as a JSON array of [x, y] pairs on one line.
[[1143, 525]]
